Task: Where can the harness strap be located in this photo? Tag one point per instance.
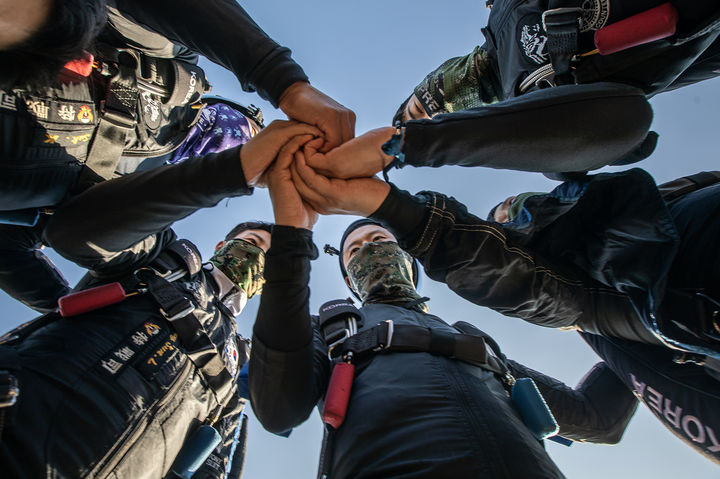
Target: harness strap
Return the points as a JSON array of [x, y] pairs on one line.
[[387, 336], [562, 25], [117, 118], [687, 184], [178, 310]]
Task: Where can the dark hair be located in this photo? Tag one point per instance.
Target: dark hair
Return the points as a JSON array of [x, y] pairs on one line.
[[398, 118], [248, 225], [71, 27]]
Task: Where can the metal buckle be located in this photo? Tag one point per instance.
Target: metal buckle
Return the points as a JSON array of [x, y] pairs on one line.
[[562, 11], [337, 343], [390, 332], [189, 309], [10, 391]]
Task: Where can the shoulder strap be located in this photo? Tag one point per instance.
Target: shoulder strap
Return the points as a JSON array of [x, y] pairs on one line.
[[687, 184], [117, 118]]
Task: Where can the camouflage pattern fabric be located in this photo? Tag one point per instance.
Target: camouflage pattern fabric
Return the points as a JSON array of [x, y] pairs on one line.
[[519, 202], [381, 272], [243, 263], [460, 83]]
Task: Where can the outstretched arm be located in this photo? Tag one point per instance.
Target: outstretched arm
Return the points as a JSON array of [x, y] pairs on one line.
[[223, 32], [288, 366], [475, 258], [597, 410], [119, 224]]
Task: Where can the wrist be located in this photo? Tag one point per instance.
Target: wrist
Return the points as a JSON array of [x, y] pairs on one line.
[[374, 198], [251, 171], [290, 92], [392, 148]]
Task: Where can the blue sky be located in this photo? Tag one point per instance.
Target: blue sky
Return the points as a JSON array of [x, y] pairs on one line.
[[368, 55]]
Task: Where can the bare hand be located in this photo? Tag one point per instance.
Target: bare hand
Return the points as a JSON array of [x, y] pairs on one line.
[[302, 102], [258, 153], [359, 157], [288, 206], [357, 196]]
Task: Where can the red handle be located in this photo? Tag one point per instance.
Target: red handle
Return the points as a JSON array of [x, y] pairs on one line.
[[82, 66], [648, 26], [91, 299], [338, 394]]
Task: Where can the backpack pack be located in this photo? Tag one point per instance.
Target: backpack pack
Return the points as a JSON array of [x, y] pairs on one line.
[[642, 43], [125, 390], [62, 139]]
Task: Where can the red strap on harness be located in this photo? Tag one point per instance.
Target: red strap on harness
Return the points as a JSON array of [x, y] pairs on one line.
[[648, 26], [91, 299], [82, 66], [338, 394]]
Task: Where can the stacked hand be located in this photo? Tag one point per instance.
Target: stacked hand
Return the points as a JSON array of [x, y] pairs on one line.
[[312, 164], [303, 181]]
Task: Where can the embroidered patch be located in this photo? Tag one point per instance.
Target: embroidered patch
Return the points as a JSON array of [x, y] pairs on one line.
[[595, 14], [533, 39], [231, 355], [85, 115], [57, 111], [8, 101], [130, 348]]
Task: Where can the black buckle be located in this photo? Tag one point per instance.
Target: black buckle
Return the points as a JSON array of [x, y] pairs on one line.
[[118, 118], [561, 17], [179, 311], [9, 389]]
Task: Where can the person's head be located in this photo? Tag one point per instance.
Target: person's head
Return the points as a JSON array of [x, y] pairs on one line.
[[254, 232], [38, 37], [500, 212], [374, 266], [241, 257], [453, 86], [509, 209]]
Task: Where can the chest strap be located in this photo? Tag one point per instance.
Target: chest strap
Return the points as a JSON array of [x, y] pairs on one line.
[[179, 311], [388, 336], [117, 117]]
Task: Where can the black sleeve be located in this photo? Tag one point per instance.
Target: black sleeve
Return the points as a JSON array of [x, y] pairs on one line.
[[224, 33], [478, 262], [119, 224], [26, 273], [598, 410], [289, 369], [531, 132]]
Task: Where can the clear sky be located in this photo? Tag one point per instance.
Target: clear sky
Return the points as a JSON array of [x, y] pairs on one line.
[[368, 55]]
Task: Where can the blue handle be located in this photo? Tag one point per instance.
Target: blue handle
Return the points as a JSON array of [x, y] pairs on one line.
[[195, 451]]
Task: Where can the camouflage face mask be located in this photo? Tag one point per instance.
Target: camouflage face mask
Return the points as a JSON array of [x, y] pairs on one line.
[[458, 84], [381, 272], [243, 263]]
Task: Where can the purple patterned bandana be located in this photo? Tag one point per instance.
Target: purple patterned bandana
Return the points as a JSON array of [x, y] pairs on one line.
[[220, 127]]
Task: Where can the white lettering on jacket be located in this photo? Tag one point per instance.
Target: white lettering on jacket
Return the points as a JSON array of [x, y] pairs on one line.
[[691, 426]]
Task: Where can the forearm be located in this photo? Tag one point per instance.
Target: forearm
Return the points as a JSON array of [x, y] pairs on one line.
[[476, 260], [120, 218], [598, 410], [286, 369], [223, 32], [522, 133]]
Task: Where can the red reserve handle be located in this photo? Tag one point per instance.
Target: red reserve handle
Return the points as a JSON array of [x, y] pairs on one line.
[[91, 299], [338, 394], [645, 27]]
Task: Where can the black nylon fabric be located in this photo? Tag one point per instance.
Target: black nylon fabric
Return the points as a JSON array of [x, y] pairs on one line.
[[531, 133], [47, 136], [112, 393], [516, 38]]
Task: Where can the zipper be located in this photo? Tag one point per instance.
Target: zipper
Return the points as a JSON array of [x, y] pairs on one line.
[[113, 457]]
